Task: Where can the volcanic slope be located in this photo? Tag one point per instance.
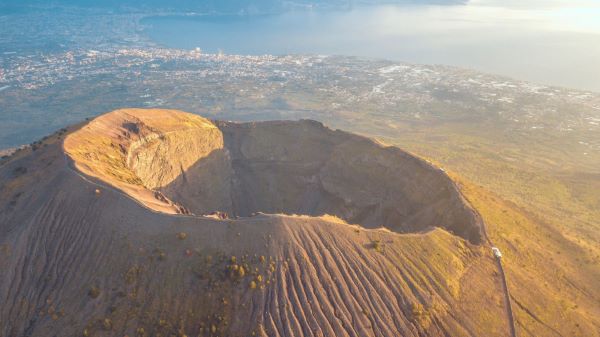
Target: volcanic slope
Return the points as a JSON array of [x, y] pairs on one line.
[[118, 227]]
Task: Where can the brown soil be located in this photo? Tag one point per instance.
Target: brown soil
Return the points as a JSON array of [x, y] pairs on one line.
[[94, 242], [271, 167]]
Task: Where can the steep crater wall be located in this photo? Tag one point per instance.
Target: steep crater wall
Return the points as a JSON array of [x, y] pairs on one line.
[[305, 168], [284, 167]]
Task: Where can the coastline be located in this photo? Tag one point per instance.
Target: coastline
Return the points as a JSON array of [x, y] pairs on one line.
[[9, 151]]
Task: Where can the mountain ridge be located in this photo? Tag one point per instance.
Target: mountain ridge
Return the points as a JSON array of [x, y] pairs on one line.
[[88, 260]]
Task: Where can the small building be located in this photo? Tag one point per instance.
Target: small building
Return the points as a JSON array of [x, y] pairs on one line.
[[497, 252]]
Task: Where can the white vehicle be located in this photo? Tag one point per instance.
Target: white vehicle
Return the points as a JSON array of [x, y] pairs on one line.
[[497, 252]]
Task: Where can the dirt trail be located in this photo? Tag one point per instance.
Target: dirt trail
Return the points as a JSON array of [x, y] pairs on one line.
[[505, 290], [507, 301]]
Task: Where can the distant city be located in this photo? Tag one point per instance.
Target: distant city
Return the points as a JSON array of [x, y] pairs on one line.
[[108, 55]]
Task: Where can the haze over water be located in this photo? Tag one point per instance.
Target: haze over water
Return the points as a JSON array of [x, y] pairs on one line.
[[548, 42]]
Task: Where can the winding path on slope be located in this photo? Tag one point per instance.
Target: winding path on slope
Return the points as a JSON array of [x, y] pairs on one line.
[[507, 302]]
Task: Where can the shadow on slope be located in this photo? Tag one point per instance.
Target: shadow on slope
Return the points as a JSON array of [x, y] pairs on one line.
[[305, 168]]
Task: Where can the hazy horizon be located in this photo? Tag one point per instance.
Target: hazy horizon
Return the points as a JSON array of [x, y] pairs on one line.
[[553, 44]]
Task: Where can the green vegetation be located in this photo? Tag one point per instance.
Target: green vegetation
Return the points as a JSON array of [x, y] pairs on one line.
[[377, 245], [213, 279], [420, 315]]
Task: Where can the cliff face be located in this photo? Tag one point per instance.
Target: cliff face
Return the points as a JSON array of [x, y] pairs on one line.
[[91, 243], [140, 151], [306, 168]]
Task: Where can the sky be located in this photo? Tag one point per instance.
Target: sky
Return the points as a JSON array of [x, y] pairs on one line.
[[574, 16]]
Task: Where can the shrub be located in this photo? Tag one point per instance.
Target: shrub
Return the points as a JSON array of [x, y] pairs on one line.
[[107, 324], [377, 245], [132, 274], [20, 170], [237, 271], [94, 292], [417, 309]]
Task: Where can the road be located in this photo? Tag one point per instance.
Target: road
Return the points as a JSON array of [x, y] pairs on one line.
[[507, 302]]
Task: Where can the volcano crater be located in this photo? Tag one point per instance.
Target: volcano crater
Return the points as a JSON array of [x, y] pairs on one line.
[[176, 162]]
